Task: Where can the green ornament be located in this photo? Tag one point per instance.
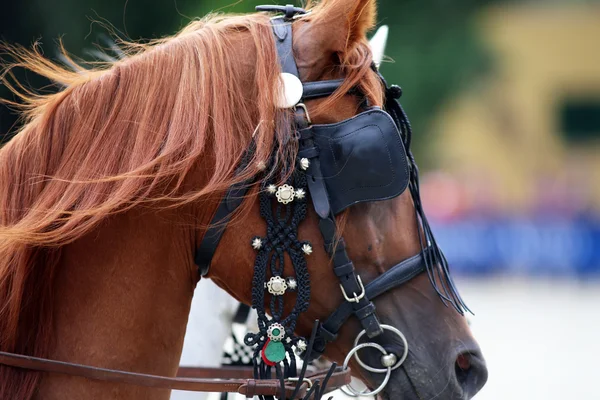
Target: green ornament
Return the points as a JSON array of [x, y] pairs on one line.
[[275, 351], [276, 332]]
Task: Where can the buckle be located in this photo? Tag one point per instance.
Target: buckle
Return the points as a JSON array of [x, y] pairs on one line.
[[356, 297], [306, 115]]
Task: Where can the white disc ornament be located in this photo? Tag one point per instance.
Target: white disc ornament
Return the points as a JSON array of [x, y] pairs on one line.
[[290, 91]]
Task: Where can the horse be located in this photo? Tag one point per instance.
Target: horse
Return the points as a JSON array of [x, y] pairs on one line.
[[112, 184]]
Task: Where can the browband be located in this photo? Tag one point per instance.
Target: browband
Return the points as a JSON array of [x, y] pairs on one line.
[[314, 90]]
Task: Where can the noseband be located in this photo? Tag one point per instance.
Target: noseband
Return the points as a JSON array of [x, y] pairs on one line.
[[362, 159]]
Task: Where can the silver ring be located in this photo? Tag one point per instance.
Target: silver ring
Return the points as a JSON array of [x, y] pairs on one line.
[[349, 390], [382, 370]]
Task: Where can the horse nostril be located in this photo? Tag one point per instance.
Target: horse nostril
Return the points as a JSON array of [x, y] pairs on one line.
[[471, 372], [462, 367], [463, 361]]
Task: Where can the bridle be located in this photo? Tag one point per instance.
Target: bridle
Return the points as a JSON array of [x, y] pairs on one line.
[[316, 174], [331, 189]]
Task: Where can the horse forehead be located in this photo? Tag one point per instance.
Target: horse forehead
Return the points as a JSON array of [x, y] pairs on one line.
[[310, 52]]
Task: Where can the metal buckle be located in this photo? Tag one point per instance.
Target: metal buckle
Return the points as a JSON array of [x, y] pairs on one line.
[[303, 106], [356, 297], [308, 381]]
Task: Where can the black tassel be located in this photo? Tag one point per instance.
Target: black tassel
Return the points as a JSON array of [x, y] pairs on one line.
[[436, 263]]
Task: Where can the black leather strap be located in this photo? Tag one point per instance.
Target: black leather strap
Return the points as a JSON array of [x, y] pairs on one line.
[[363, 308], [206, 251], [231, 201], [308, 152], [282, 28], [241, 315], [313, 90]]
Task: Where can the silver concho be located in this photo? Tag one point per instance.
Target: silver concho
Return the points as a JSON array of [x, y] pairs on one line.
[[256, 243], [301, 345], [261, 165], [276, 332], [307, 249], [285, 194], [304, 163], [277, 286], [292, 284]]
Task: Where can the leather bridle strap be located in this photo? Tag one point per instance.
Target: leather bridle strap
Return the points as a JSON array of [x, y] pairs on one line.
[[343, 267], [282, 29], [231, 201], [231, 380], [316, 89]]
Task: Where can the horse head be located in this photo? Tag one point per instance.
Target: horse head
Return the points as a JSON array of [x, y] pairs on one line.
[[182, 155]]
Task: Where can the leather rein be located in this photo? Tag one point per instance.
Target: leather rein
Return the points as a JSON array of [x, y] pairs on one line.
[[198, 379]]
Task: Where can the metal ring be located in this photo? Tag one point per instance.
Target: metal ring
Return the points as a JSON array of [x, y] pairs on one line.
[[382, 370], [349, 390]]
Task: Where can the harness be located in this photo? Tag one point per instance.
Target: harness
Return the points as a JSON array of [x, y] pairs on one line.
[[362, 159]]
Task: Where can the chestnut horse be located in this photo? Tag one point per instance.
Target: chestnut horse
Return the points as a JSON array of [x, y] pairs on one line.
[[108, 189]]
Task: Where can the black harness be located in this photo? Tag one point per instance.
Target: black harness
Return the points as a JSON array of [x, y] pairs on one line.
[[364, 158]]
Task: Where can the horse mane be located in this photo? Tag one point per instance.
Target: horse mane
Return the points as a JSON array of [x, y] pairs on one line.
[[125, 134]]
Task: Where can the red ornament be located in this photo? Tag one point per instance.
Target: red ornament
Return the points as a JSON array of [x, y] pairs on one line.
[[264, 357]]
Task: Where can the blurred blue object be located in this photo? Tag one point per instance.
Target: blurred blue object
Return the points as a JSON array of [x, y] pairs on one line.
[[522, 246]]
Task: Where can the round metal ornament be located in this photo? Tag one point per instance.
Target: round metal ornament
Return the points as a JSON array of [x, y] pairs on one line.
[[285, 194], [276, 332], [290, 91], [277, 286]]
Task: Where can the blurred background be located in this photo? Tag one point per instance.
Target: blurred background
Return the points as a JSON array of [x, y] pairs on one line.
[[504, 97]]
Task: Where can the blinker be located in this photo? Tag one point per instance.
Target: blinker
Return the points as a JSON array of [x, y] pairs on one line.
[[361, 159]]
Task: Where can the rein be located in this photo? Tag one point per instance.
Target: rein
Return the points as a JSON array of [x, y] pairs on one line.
[[197, 379]]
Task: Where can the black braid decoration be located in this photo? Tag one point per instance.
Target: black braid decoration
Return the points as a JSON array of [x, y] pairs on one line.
[[283, 208]]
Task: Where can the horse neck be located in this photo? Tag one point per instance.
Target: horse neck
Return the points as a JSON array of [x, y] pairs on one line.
[[122, 298]]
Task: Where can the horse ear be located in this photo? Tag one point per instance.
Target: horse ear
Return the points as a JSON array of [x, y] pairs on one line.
[[339, 25]]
